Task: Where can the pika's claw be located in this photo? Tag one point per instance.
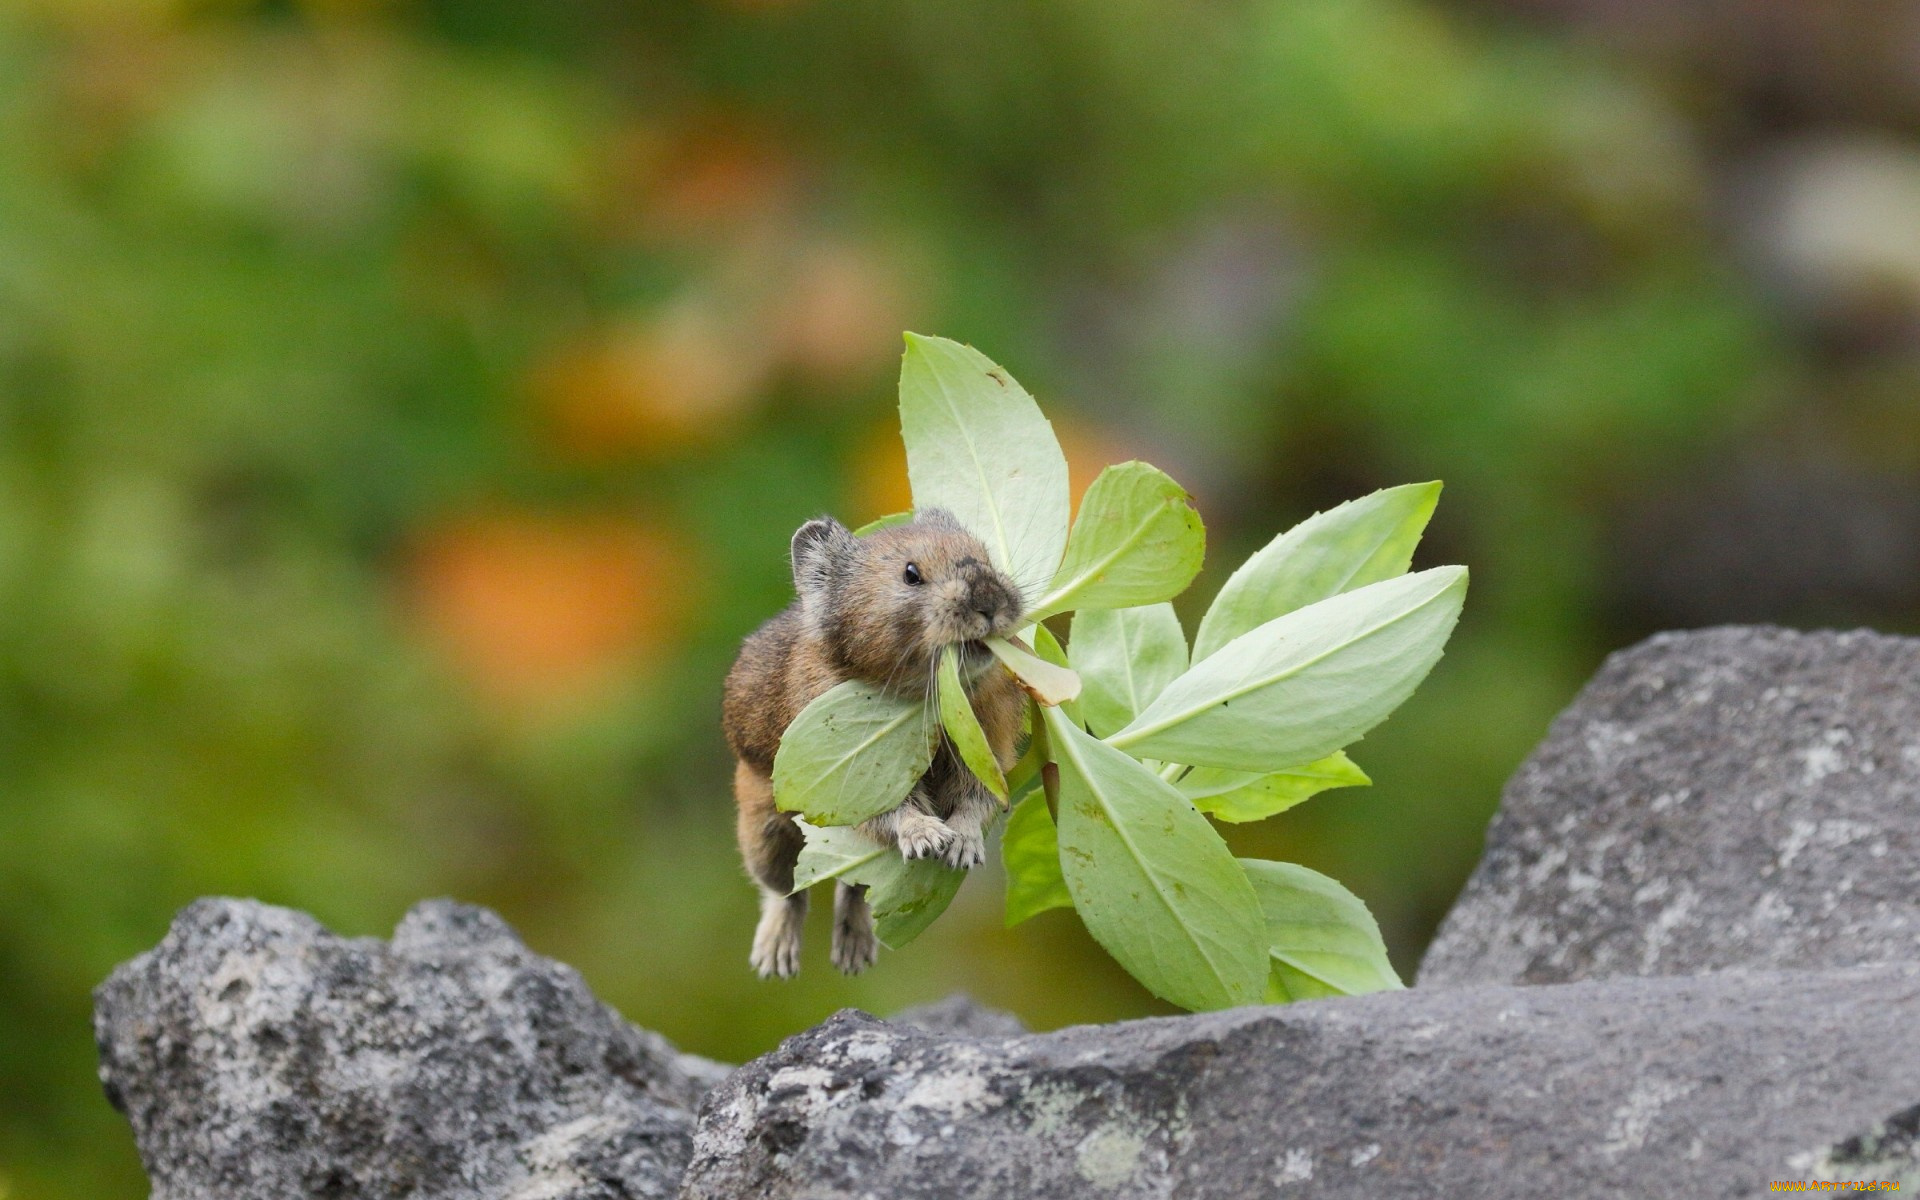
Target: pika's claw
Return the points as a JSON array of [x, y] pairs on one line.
[[776, 941], [778, 961], [854, 946], [776, 956], [922, 835], [967, 850]]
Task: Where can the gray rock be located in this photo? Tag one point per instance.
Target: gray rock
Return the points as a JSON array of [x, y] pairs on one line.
[[1625, 1087], [259, 1056], [959, 1015], [1887, 1153], [1739, 797], [1715, 807]]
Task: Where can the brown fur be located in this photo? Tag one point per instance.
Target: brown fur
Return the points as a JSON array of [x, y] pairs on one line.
[[858, 618]]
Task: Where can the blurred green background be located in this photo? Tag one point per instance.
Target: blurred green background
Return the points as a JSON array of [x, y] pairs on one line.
[[404, 407]]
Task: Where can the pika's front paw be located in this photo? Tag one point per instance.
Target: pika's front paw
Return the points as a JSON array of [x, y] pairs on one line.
[[967, 850], [922, 835]]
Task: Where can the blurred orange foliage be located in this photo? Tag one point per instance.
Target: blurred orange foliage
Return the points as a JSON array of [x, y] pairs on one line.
[[648, 386], [534, 608], [840, 314], [721, 176]]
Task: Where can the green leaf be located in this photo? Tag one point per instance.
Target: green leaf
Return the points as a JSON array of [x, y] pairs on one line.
[[1125, 657], [1151, 878], [1323, 940], [1026, 771], [1137, 541], [1251, 796], [978, 447], [1361, 542], [1031, 851], [1046, 682], [886, 522], [854, 753], [1048, 648], [963, 727], [1302, 686], [1286, 985], [833, 851], [905, 896]]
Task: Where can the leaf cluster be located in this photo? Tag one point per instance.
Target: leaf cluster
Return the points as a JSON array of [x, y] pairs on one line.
[[1138, 741]]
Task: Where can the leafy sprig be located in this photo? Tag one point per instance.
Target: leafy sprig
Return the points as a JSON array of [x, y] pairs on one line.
[[1135, 738]]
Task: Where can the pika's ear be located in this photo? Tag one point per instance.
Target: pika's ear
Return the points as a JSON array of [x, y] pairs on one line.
[[817, 547], [937, 516]]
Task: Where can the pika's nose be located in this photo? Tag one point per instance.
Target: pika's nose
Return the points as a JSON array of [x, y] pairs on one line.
[[988, 602], [989, 598]]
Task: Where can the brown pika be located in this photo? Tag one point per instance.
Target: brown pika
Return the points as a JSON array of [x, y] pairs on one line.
[[878, 608]]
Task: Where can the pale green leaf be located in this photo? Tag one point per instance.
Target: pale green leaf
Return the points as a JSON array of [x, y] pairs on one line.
[[1254, 796], [1286, 985], [1302, 686], [1361, 542], [1125, 657], [1046, 682], [905, 896], [1321, 936], [1049, 649], [978, 447], [833, 851], [1031, 851], [854, 753], [1046, 645], [1152, 880], [886, 522], [963, 727], [1136, 541]]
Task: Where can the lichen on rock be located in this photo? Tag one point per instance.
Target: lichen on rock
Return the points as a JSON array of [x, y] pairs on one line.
[[1727, 798], [1691, 953], [259, 1056]]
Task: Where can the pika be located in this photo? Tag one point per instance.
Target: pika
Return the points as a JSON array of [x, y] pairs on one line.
[[878, 608]]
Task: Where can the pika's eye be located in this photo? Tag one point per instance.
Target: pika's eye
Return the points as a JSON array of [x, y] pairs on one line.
[[912, 574]]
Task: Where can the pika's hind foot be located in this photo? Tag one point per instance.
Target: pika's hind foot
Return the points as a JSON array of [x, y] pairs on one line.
[[854, 945], [776, 941]]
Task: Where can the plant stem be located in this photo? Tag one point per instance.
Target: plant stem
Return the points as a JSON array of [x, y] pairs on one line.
[[1049, 770]]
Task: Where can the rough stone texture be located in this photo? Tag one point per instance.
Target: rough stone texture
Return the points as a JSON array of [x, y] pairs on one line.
[[960, 1016], [1715, 807], [1628, 1087], [1739, 797], [259, 1056]]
